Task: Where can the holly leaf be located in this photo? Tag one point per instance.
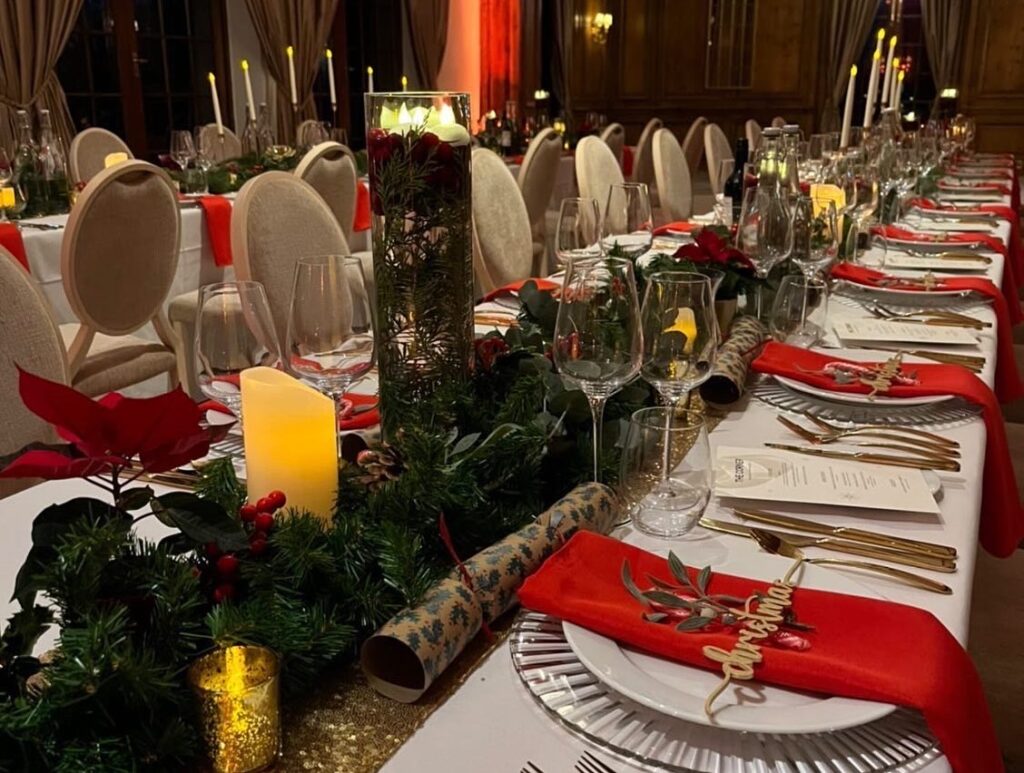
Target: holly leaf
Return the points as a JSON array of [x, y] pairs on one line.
[[136, 498], [200, 520], [51, 524], [27, 583]]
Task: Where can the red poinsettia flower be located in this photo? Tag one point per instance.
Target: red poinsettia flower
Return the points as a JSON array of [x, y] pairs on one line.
[[710, 248], [161, 432]]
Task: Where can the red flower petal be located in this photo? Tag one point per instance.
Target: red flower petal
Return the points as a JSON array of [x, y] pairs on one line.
[[55, 466], [77, 418], [692, 253], [143, 425]]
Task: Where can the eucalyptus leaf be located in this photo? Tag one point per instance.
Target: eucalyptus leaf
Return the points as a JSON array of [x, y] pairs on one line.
[[678, 569], [627, 580], [702, 579], [465, 443], [667, 599], [694, 623], [654, 617]]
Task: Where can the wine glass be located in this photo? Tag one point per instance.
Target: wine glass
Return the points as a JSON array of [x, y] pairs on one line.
[[578, 233], [627, 223], [800, 311], [680, 334], [183, 150], [204, 148], [816, 236], [234, 331], [329, 341], [6, 175], [765, 233], [598, 343]]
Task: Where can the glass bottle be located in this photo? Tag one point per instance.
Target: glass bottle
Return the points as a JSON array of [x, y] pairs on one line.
[[790, 169], [27, 175], [53, 166], [251, 138], [264, 132], [734, 185]]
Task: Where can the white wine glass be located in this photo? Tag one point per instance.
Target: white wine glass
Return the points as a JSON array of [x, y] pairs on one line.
[[183, 150], [578, 233], [764, 234], [234, 331], [627, 224], [329, 341], [598, 342]]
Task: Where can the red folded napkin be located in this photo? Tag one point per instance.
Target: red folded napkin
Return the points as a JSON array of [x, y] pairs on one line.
[[1008, 383], [217, 214], [1000, 210], [991, 242], [361, 222], [1002, 519], [678, 227], [10, 240], [1002, 173], [980, 187], [514, 287], [860, 647], [347, 421]]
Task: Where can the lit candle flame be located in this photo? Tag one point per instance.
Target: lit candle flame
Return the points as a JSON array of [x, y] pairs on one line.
[[245, 64], [447, 115]]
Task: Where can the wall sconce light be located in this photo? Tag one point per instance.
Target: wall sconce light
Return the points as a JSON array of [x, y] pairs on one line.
[[599, 26]]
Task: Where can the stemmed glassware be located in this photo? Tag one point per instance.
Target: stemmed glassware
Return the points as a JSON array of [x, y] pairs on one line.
[[816, 237], [578, 233], [627, 223], [329, 342], [183, 150], [800, 311], [765, 233], [234, 331], [598, 342]]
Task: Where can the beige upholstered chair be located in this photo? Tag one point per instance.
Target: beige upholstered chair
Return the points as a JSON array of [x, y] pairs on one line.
[[716, 148], [89, 149], [693, 143], [277, 220], [673, 176], [753, 132], [614, 136], [596, 169], [29, 339], [537, 176], [329, 169], [118, 259], [217, 149], [643, 161], [310, 132], [778, 122], [502, 243]]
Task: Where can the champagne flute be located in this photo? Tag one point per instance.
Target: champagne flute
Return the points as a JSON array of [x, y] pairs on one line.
[[234, 331], [329, 341], [627, 223], [598, 343], [578, 233]]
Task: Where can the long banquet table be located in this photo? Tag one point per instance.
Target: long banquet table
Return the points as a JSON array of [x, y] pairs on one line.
[[491, 722]]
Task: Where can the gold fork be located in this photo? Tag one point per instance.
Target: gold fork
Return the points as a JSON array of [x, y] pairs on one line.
[[903, 443], [863, 428]]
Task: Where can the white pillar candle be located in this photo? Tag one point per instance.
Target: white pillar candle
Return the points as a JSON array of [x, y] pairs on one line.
[[330, 78], [844, 139], [869, 105], [369, 76], [886, 85], [291, 74], [250, 103], [895, 80], [216, 103]]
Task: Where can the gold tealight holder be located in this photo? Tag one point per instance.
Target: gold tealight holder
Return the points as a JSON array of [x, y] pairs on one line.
[[239, 709]]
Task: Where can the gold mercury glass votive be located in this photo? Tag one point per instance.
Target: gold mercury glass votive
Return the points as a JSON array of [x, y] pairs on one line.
[[239, 710]]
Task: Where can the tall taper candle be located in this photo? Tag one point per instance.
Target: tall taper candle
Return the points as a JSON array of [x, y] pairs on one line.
[[216, 103], [405, 83], [844, 139], [291, 74], [869, 106], [250, 103], [330, 78], [369, 76], [895, 80], [886, 85], [899, 92]]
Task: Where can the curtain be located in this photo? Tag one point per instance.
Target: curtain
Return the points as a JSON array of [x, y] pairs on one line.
[[32, 36], [428, 27], [849, 24], [304, 25], [943, 38], [499, 53], [561, 61]]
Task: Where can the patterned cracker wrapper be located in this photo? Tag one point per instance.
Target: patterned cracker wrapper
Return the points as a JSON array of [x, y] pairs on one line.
[[408, 653], [728, 379]]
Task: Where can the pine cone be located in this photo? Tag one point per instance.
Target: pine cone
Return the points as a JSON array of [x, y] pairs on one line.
[[379, 466]]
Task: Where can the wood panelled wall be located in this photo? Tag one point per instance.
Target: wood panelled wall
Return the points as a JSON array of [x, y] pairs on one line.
[[654, 64], [992, 79]]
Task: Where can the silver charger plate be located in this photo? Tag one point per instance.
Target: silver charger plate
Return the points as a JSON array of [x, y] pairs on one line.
[[575, 698], [945, 415]]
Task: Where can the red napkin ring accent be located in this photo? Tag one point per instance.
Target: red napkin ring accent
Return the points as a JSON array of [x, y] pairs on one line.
[[467, 578]]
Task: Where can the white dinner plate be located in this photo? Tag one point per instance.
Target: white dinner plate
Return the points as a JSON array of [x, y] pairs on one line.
[[678, 690], [882, 291], [855, 399]]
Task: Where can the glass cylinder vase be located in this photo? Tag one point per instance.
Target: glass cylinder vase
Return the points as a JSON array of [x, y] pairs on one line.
[[418, 149]]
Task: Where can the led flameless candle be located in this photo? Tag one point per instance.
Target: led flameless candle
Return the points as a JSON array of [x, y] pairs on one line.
[[330, 78], [369, 77], [290, 440], [290, 51], [216, 103], [250, 103], [844, 140], [886, 85]]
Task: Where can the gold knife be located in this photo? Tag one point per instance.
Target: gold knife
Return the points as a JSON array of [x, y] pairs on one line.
[[860, 456], [934, 563], [847, 532]]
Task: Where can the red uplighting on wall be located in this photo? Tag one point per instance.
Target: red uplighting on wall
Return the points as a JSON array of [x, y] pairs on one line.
[[499, 53]]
